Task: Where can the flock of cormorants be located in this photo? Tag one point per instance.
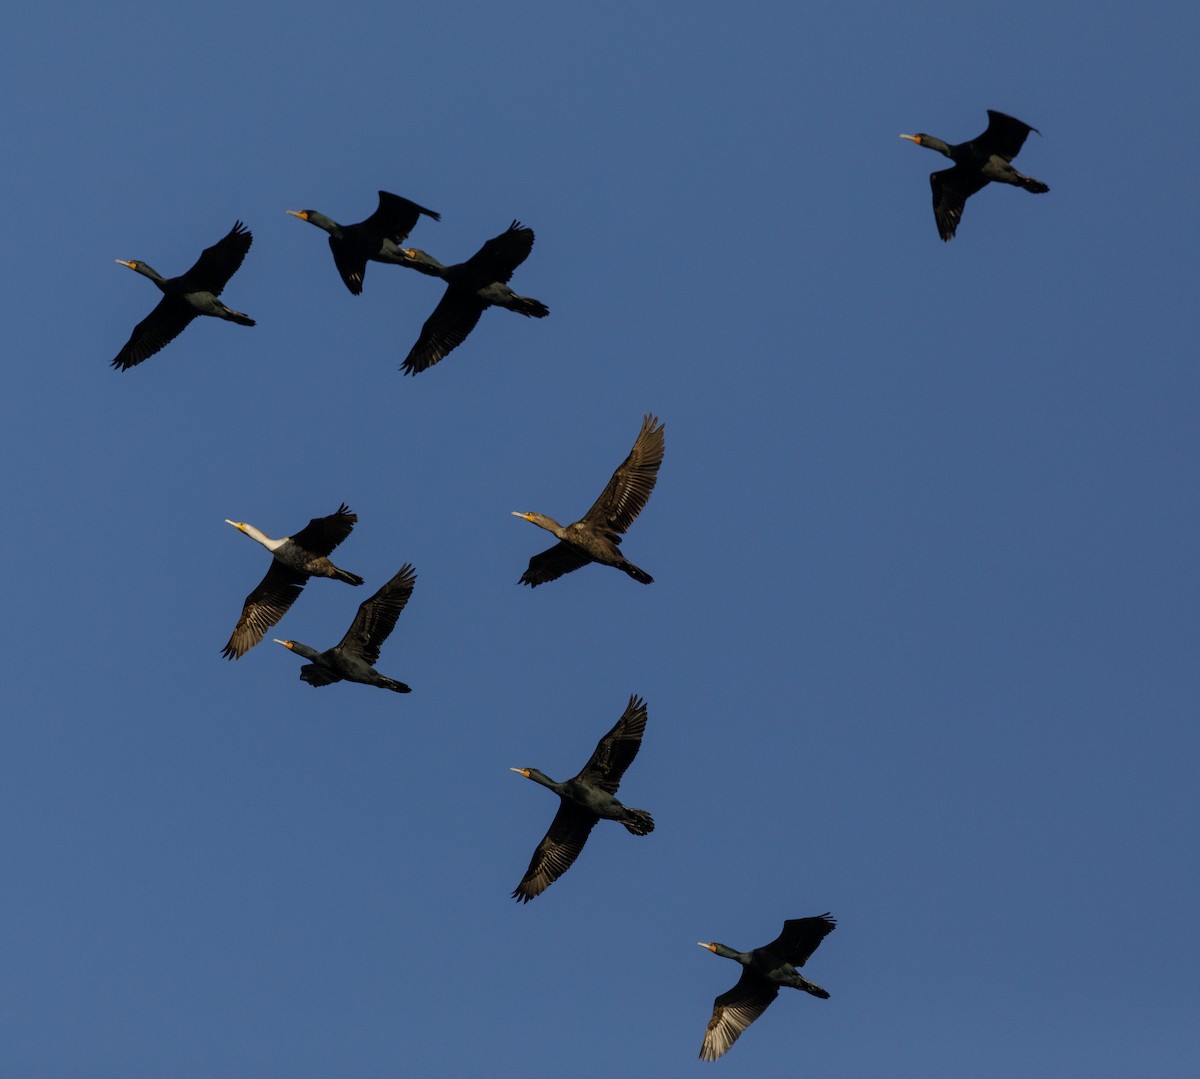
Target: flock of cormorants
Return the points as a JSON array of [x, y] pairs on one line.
[[472, 287]]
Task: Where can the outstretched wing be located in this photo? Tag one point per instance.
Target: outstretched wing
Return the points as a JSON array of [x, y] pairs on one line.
[[499, 258], [616, 750], [629, 489], [377, 616], [448, 327], [265, 606], [159, 328], [322, 534], [734, 1011], [395, 217], [951, 189], [1005, 135], [217, 264], [557, 851], [800, 938], [553, 563]]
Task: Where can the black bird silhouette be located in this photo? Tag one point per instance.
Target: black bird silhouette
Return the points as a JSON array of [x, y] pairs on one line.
[[471, 288], [355, 656], [766, 969], [596, 537], [295, 559], [984, 159], [186, 296], [374, 240], [586, 799]]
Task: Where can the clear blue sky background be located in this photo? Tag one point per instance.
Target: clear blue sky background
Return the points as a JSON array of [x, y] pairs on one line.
[[921, 649]]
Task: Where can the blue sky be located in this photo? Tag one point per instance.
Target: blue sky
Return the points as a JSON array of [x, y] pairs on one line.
[[921, 646]]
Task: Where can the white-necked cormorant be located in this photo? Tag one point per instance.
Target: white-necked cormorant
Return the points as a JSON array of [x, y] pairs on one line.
[[372, 240], [471, 288], [586, 799], [186, 296], [986, 158], [766, 969], [295, 559], [596, 537], [355, 656]]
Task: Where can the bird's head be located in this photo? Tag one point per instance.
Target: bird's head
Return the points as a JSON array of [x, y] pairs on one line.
[[314, 218], [522, 771], [138, 267], [289, 645], [239, 525]]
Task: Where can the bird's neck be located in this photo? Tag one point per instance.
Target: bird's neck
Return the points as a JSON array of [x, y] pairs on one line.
[[936, 144], [425, 263], [270, 544], [305, 651]]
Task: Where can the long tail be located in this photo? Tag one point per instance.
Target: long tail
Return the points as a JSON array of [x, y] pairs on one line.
[[637, 574], [391, 683], [529, 307], [347, 577], [812, 987], [1034, 187], [231, 315], [639, 822]]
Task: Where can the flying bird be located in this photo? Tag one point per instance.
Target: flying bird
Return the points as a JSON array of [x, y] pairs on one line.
[[374, 240], [985, 158], [471, 288], [295, 559], [765, 970], [596, 536], [186, 296], [355, 656], [584, 800]]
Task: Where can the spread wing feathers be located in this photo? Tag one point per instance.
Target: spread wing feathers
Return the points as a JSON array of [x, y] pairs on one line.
[[265, 606], [629, 489], [616, 750], [351, 267], [217, 264], [499, 258], [800, 938], [553, 563], [396, 216], [448, 327], [1005, 135], [377, 616], [951, 189], [322, 534], [157, 329], [317, 676], [557, 851], [734, 1011]]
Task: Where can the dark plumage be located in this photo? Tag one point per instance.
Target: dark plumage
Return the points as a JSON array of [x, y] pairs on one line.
[[596, 537], [372, 240], [355, 656], [471, 288], [984, 159], [584, 800], [295, 559], [186, 296], [766, 969]]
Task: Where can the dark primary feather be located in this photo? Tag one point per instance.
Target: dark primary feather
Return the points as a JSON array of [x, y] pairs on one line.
[[471, 288], [218, 263], [185, 297], [376, 617], [764, 970], [629, 489], [597, 535], [573, 822], [1004, 136], [322, 534], [282, 585]]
